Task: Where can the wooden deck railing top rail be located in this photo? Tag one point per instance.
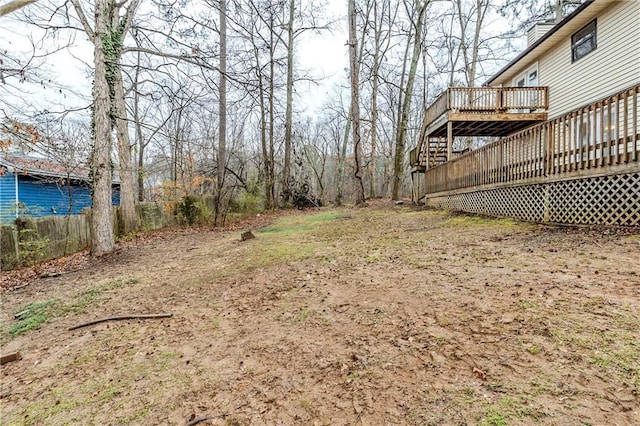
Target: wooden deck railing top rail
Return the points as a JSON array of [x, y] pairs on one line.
[[488, 100], [602, 135]]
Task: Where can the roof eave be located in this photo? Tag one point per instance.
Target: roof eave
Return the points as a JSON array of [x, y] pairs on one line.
[[541, 40]]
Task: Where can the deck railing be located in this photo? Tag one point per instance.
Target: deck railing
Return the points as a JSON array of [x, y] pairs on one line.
[[488, 100], [602, 135], [413, 157]]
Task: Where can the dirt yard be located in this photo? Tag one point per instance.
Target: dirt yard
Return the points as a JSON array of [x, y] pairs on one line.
[[383, 315]]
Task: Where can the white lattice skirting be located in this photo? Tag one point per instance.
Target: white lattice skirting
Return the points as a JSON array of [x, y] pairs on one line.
[[603, 200]]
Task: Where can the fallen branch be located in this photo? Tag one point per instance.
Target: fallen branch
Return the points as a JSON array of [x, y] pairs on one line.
[[119, 318], [198, 420]]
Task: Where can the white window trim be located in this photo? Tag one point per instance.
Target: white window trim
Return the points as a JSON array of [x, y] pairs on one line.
[[525, 75]]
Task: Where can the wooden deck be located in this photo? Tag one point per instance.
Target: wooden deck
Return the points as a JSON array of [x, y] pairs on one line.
[[486, 111], [595, 150], [475, 111]]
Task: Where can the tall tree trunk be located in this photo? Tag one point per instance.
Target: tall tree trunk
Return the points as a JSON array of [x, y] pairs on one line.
[[118, 31], [342, 162], [374, 101], [141, 144], [127, 181], [263, 142], [222, 128], [286, 169], [398, 164], [355, 106], [272, 64], [102, 239]]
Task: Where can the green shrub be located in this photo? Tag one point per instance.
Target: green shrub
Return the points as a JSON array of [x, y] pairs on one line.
[[247, 202], [189, 209]]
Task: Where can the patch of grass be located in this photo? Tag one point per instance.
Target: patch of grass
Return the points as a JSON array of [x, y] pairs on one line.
[[353, 376], [298, 224], [528, 304], [291, 238], [140, 414], [86, 298], [494, 419], [325, 216], [533, 350], [613, 351], [80, 305], [31, 317], [214, 322], [372, 258], [307, 406], [286, 229], [498, 414], [279, 251], [302, 315], [622, 359], [108, 386]]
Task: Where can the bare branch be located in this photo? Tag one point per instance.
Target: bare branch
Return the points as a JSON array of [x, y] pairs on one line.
[[14, 5]]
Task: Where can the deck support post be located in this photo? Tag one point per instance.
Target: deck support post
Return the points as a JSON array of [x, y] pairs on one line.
[[449, 141]]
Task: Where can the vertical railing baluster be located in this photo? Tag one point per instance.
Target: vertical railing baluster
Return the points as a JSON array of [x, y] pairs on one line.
[[634, 128], [625, 144], [617, 131], [603, 142], [609, 124], [579, 140]]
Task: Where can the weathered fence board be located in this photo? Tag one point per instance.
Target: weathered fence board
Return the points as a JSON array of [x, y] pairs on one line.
[[55, 236]]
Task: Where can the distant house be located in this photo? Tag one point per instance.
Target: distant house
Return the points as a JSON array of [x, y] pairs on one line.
[[36, 187]]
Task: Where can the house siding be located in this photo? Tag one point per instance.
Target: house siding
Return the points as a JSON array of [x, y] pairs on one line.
[[613, 66], [44, 197], [7, 196]]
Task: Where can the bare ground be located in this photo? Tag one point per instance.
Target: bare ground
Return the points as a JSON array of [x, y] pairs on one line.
[[381, 315]]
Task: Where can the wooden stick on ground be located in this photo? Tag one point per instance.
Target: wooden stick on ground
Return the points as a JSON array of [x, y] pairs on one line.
[[198, 420], [119, 318]]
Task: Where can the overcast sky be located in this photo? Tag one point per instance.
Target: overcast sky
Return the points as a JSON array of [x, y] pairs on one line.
[[322, 55]]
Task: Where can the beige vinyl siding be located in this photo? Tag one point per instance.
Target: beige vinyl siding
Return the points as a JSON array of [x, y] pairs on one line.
[[613, 66], [537, 31]]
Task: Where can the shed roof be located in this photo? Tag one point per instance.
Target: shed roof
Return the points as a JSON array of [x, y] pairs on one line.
[[41, 167]]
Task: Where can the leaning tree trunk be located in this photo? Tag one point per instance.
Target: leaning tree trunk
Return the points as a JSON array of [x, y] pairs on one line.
[[102, 240]]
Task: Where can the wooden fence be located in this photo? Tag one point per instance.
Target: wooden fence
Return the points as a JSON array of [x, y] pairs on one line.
[[585, 141], [50, 237]]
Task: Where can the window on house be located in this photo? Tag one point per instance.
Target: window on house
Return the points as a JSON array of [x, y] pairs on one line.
[[584, 41]]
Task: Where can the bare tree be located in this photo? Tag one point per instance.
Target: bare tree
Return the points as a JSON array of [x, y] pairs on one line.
[[355, 102], [222, 109], [102, 236], [416, 10], [286, 169]]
